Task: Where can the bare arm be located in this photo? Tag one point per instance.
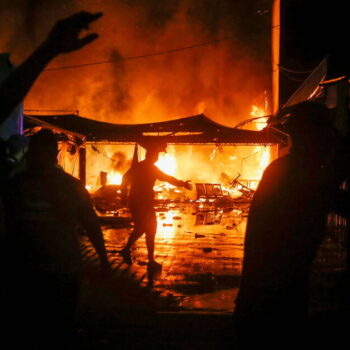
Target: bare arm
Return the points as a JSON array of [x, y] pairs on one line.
[[89, 222], [63, 38], [173, 180]]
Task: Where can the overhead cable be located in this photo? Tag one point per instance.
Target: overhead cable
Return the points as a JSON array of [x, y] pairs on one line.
[[160, 53], [294, 71]]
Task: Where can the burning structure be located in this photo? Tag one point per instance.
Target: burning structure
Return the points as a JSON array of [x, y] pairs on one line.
[[208, 153], [196, 55]]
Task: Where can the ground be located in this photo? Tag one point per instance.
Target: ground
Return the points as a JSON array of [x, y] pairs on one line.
[[189, 305]]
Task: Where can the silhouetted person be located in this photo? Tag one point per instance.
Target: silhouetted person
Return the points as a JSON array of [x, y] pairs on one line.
[[12, 157], [64, 37], [286, 224], [137, 187], [44, 207]]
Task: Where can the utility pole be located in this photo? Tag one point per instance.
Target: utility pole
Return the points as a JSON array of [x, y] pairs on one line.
[[275, 46]]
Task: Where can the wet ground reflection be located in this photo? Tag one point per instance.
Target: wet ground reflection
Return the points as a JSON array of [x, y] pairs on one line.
[[201, 252]]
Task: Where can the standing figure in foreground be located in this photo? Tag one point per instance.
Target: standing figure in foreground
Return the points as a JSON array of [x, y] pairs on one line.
[[286, 224], [44, 207], [64, 37], [137, 188]]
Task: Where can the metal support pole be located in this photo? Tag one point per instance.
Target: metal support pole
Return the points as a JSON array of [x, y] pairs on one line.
[[82, 165]]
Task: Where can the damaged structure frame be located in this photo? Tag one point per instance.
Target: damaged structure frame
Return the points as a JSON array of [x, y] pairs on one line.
[[193, 130]]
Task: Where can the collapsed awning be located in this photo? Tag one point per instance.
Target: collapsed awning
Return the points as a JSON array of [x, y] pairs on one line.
[[197, 129]]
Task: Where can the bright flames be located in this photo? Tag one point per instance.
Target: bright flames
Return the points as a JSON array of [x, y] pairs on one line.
[[167, 164], [257, 112], [114, 178], [260, 124], [215, 164]]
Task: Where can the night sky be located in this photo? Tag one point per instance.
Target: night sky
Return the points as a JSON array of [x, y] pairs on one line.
[[312, 30]]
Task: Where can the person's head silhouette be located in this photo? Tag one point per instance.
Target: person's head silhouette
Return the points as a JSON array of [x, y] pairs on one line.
[[153, 149], [311, 130], [42, 149]]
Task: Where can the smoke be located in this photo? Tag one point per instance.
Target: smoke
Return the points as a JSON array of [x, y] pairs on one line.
[[221, 80], [121, 163]]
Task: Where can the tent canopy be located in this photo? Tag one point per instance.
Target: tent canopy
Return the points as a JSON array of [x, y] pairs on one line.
[[190, 130]]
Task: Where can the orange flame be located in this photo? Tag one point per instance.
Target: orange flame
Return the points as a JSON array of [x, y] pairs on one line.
[[167, 164], [258, 112], [114, 178]]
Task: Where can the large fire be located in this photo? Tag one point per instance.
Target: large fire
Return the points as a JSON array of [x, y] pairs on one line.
[[167, 163], [260, 124], [217, 164], [114, 178], [221, 79]]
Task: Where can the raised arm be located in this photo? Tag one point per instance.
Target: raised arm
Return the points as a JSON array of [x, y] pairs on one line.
[[63, 38]]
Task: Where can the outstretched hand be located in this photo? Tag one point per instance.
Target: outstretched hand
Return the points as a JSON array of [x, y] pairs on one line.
[[64, 36], [187, 185]]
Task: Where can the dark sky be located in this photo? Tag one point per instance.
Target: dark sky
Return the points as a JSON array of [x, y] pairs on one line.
[[312, 30]]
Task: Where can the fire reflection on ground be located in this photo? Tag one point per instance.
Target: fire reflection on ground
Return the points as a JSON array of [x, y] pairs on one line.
[[201, 252]]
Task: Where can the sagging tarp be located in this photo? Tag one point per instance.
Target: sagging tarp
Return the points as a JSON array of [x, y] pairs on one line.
[[197, 129]]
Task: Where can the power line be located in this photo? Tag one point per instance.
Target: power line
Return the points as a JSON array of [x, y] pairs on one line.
[[75, 111], [160, 53], [153, 54], [294, 71], [288, 76]]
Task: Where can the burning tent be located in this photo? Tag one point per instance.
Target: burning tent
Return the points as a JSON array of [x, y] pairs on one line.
[[207, 151]]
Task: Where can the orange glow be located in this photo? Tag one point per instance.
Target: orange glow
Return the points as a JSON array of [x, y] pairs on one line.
[[262, 153], [257, 112], [166, 225], [218, 164], [221, 80], [275, 41], [167, 163], [200, 164], [114, 178], [265, 159]]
